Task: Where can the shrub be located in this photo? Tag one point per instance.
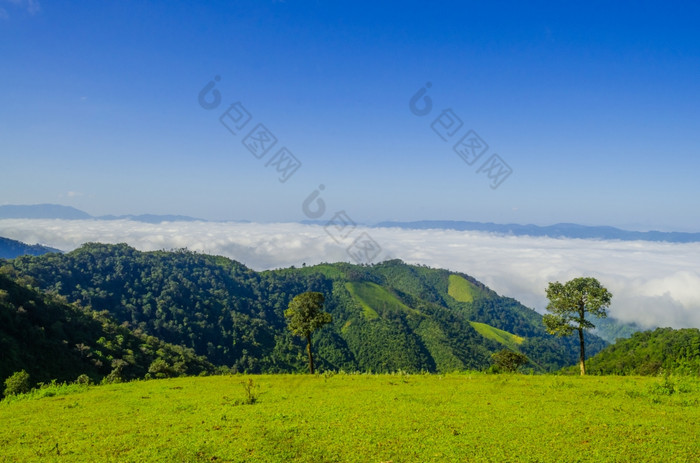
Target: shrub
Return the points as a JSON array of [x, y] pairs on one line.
[[18, 383], [666, 387], [83, 379], [507, 360], [161, 369], [250, 392]]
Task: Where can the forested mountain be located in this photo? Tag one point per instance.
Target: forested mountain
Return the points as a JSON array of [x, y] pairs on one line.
[[611, 329], [386, 317], [650, 353], [51, 339], [9, 249]]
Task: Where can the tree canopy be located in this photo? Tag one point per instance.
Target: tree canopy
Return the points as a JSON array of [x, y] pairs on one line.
[[509, 361], [304, 316], [570, 303]]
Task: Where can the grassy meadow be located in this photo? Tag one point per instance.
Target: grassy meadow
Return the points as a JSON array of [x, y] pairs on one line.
[[359, 417]]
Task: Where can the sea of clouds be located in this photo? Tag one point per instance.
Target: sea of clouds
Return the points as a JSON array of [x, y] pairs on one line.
[[653, 284]]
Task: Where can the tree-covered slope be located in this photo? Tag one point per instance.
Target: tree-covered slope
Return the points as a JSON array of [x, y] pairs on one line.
[[650, 353], [9, 249], [610, 329], [475, 302], [206, 303], [386, 317], [50, 339]]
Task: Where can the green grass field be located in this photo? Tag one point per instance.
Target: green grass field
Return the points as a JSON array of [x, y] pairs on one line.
[[363, 418]]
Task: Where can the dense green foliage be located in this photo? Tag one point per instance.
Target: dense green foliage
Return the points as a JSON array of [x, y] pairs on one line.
[[360, 418], [506, 360], [386, 317], [651, 353], [204, 303], [572, 303], [305, 314], [18, 383], [51, 339]]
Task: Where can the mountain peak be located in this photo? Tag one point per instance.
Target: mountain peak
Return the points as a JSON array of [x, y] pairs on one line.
[[42, 211]]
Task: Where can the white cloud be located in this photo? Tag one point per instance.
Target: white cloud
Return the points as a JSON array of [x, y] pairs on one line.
[[32, 6], [656, 284]]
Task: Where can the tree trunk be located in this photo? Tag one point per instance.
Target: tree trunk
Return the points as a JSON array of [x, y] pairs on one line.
[[308, 350], [583, 354]]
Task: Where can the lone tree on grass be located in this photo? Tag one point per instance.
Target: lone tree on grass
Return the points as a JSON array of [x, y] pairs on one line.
[[304, 316], [569, 304]]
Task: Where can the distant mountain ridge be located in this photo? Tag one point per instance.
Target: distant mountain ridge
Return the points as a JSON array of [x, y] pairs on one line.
[[560, 230], [151, 218], [56, 211], [9, 249], [610, 329], [42, 211]]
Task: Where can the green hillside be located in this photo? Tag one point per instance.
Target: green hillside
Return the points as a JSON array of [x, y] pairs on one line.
[[509, 340], [378, 302], [461, 290], [610, 329], [376, 299], [54, 340], [651, 353], [360, 418], [9, 249], [386, 317]]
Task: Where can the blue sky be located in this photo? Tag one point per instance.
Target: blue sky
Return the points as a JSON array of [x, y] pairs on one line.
[[594, 107]]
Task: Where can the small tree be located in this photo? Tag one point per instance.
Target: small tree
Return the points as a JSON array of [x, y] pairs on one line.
[[18, 383], [304, 316], [569, 304], [116, 375], [507, 360], [159, 368], [83, 379]]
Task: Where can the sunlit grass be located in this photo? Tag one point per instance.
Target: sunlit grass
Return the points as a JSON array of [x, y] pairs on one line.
[[374, 299], [460, 289], [505, 338], [363, 418]]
